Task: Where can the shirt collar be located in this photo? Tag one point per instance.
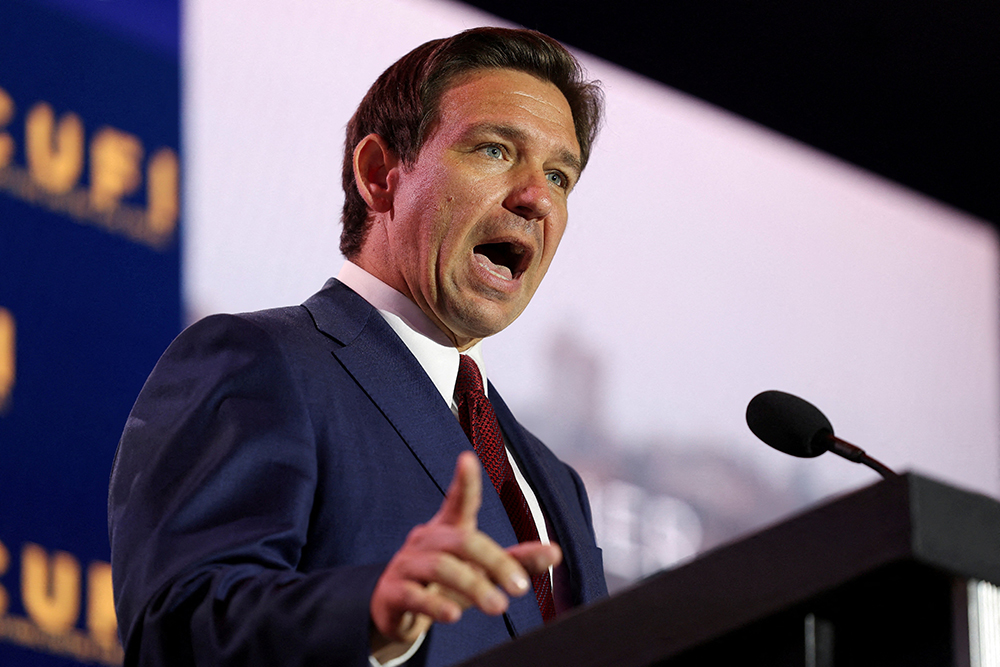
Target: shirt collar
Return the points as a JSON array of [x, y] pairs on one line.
[[434, 351]]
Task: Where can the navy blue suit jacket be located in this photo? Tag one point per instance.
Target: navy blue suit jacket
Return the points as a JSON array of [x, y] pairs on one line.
[[272, 465]]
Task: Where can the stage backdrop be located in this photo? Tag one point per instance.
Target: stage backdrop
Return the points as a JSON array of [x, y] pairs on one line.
[[89, 296], [706, 259]]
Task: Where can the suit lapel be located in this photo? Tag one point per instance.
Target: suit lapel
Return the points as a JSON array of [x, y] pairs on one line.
[[392, 378]]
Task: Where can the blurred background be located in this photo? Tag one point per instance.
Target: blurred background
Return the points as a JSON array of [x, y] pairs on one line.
[[782, 197]]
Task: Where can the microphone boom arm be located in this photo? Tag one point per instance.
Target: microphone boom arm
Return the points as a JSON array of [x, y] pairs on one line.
[[855, 454]]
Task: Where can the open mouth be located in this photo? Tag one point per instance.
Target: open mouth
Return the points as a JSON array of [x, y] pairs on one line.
[[507, 260]]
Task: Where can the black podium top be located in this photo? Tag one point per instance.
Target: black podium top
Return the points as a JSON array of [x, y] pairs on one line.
[[909, 518]]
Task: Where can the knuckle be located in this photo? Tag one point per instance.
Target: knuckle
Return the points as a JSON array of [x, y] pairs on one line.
[[412, 597], [441, 566], [418, 533]]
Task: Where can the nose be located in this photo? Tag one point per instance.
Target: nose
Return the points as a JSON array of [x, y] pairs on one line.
[[530, 197]]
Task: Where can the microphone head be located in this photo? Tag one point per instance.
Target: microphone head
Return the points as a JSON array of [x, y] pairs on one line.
[[789, 424]]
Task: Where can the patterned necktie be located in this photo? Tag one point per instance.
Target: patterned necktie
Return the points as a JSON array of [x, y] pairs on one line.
[[480, 423]]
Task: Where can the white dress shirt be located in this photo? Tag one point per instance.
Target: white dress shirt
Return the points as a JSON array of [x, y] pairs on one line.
[[439, 358]]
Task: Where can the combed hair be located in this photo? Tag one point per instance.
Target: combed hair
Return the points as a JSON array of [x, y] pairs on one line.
[[402, 105]]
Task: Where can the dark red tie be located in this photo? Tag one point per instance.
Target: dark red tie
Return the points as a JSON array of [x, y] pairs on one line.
[[480, 423]]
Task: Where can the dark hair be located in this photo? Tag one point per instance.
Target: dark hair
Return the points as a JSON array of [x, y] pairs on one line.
[[402, 105]]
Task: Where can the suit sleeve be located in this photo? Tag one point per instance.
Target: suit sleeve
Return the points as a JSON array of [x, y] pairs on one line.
[[209, 510]]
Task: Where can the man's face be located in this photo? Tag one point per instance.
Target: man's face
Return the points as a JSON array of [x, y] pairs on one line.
[[476, 219]]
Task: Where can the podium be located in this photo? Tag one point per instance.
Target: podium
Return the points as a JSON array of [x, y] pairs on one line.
[[899, 573]]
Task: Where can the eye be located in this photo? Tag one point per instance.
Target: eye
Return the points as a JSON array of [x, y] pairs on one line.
[[558, 178], [493, 151]]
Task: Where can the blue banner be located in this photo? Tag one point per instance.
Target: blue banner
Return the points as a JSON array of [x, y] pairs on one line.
[[89, 297]]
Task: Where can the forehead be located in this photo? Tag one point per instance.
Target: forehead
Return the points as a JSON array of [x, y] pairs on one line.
[[499, 97]]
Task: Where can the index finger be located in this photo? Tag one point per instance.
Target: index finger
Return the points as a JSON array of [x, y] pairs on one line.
[[465, 495]]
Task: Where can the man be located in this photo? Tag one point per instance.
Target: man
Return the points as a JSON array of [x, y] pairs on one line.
[[283, 492]]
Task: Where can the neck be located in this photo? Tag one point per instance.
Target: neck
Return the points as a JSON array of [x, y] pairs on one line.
[[374, 263]]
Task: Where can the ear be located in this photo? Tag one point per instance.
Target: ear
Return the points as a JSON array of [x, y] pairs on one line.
[[373, 167]]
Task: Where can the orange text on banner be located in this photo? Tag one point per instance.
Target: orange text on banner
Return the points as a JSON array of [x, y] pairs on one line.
[[56, 154]]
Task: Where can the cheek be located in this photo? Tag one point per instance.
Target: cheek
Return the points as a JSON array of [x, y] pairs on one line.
[[553, 235]]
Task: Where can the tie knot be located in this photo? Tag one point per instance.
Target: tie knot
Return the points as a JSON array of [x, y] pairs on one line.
[[469, 376]]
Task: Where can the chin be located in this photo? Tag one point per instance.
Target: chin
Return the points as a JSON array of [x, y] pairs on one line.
[[484, 321]]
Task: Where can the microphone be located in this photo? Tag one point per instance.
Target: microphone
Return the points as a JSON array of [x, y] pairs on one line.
[[797, 427]]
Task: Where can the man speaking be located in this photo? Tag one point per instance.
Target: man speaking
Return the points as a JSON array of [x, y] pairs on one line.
[[298, 486]]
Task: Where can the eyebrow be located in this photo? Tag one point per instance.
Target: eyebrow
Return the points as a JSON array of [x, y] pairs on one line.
[[571, 159]]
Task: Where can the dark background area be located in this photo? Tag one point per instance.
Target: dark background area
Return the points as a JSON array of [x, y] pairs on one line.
[[907, 89]]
